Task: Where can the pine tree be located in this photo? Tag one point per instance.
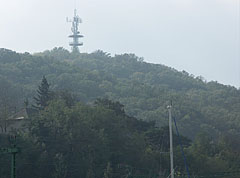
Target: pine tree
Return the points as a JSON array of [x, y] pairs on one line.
[[43, 95]]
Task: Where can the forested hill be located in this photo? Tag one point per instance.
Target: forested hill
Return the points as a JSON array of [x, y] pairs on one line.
[[143, 88]]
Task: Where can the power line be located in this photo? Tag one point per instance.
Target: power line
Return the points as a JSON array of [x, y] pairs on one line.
[[180, 142]]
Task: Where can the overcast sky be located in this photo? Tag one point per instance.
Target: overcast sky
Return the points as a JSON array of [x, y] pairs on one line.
[[198, 36]]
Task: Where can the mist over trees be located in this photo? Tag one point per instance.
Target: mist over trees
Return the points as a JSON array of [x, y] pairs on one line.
[[105, 116]]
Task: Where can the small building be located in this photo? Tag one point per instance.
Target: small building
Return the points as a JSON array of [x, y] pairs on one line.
[[17, 122]]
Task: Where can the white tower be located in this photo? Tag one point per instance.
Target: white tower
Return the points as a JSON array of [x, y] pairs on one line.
[[75, 33]]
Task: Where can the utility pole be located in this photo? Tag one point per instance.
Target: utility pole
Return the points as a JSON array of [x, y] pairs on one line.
[[169, 107], [14, 150]]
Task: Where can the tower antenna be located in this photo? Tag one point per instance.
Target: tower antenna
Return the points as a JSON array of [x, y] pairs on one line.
[[75, 32]]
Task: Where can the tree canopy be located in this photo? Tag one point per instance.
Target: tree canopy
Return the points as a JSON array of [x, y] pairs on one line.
[[43, 95], [106, 116]]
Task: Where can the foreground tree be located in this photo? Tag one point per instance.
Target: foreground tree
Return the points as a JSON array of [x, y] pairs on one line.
[[43, 95]]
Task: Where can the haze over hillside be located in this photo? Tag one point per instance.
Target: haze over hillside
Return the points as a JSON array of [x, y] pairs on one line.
[[201, 37], [143, 88], [97, 115], [160, 99]]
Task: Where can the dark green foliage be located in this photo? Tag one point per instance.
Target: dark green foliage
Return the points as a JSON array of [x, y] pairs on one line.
[[142, 87], [115, 106], [159, 139], [69, 99], [56, 53], [105, 139], [8, 56], [43, 95], [86, 139]]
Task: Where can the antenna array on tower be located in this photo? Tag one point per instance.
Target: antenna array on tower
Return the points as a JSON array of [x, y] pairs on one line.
[[75, 32]]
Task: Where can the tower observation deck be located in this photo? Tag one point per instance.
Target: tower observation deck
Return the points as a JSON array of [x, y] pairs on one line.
[[75, 32]]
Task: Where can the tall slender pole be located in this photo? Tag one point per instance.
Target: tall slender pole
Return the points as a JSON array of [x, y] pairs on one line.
[[14, 151], [171, 139], [13, 172]]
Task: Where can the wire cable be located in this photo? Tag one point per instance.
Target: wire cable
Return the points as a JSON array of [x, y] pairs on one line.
[[180, 142]]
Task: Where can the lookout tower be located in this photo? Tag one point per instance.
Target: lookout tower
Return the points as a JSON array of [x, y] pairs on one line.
[[75, 32]]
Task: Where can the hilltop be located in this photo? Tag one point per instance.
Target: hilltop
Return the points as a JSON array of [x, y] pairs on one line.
[[143, 88]]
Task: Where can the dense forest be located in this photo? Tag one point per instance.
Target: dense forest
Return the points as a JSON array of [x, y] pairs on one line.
[[98, 115]]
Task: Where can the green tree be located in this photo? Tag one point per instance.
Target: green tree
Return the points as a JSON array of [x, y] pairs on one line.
[[115, 106], [43, 95]]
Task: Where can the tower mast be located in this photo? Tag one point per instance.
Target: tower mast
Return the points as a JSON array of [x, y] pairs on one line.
[[75, 32]]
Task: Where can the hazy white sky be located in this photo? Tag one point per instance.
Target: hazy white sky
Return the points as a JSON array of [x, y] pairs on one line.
[[199, 36]]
